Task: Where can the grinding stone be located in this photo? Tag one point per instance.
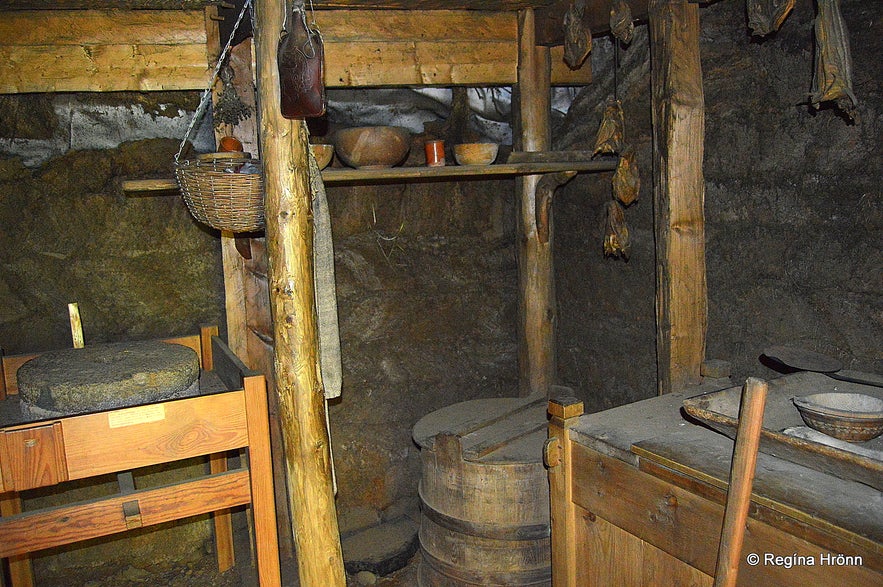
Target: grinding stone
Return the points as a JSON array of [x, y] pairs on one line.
[[106, 376]]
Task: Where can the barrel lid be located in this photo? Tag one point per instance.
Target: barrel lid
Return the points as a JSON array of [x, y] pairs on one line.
[[489, 430]]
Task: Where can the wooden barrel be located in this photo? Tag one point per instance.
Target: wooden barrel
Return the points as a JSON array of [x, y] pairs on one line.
[[484, 494]]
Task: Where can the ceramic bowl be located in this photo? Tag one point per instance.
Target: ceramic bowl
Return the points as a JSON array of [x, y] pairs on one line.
[[323, 154], [229, 143], [848, 416], [475, 153], [367, 147]]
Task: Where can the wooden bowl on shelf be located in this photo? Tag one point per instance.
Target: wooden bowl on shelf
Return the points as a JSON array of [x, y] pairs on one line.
[[372, 147], [476, 153], [323, 154]]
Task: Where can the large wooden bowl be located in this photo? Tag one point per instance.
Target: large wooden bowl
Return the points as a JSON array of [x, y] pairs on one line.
[[367, 147], [323, 154]]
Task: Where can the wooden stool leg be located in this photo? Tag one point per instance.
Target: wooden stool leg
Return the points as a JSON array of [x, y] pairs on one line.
[[21, 573], [263, 498], [223, 521]]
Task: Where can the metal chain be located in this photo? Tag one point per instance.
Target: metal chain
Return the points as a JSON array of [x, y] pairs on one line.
[[207, 94]]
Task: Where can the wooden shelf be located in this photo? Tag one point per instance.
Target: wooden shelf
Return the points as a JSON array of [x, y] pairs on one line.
[[519, 164], [449, 172]]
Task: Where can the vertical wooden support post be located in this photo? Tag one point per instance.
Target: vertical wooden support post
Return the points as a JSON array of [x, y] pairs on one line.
[[234, 290], [678, 192], [223, 521], [536, 285], [563, 414], [284, 148]]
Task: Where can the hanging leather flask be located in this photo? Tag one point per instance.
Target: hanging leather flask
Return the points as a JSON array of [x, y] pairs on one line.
[[300, 58]]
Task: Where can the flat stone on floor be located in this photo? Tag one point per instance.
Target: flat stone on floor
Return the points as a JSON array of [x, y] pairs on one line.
[[381, 549]]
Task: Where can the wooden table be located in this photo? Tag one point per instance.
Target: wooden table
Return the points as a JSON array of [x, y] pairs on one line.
[[638, 497], [229, 413]]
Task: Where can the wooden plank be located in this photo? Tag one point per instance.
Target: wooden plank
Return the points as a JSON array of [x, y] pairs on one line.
[[565, 525], [104, 70], [32, 457], [660, 568], [687, 526], [434, 63], [154, 433], [262, 490], [284, 151], [21, 573], [451, 172], [32, 531], [818, 507], [442, 47], [414, 25], [76, 28], [11, 365], [93, 50], [192, 341], [679, 193]]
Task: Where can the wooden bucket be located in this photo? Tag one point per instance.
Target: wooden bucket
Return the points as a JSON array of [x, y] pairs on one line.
[[484, 494]]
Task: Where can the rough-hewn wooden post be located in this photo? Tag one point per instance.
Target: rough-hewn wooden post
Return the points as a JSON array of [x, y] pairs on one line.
[[284, 149], [536, 289], [679, 192]]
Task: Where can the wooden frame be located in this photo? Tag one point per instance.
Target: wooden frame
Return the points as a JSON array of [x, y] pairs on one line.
[[120, 440]]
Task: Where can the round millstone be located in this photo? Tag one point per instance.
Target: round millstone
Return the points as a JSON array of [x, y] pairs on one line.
[[106, 376]]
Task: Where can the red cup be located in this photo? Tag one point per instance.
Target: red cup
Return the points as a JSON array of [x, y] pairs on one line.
[[435, 153]]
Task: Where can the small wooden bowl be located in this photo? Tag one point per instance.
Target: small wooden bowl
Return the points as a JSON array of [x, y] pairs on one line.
[[323, 154], [854, 417], [229, 144], [476, 153]]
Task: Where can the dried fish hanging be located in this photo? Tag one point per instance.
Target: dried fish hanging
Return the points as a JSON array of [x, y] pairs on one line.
[[766, 16], [626, 180], [577, 36], [833, 68], [611, 134], [621, 23], [616, 234]]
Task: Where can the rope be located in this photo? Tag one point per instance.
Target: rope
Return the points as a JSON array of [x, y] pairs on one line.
[[207, 93]]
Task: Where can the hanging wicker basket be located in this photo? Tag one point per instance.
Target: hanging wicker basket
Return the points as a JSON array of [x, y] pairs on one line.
[[218, 193]]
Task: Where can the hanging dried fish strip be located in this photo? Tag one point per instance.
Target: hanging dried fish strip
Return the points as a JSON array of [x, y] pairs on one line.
[[833, 75], [577, 36], [611, 134], [621, 24], [626, 181], [766, 16], [616, 235]]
